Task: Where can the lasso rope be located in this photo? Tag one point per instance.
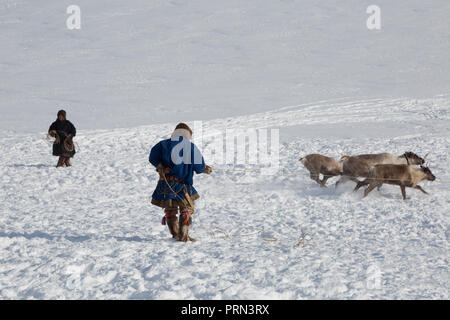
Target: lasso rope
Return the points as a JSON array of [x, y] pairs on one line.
[[214, 230], [68, 146], [288, 172]]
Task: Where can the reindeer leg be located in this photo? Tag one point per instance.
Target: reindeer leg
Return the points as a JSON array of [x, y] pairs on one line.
[[342, 179], [360, 184], [420, 188], [324, 181], [315, 177], [403, 188], [372, 186], [337, 182]]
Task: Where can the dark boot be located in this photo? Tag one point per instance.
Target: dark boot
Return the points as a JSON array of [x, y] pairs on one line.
[[68, 164], [61, 162]]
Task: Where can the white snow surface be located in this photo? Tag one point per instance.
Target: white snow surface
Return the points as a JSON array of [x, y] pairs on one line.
[[90, 232], [308, 68]]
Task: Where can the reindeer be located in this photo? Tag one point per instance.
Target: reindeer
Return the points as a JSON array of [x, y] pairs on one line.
[[358, 166], [318, 164], [397, 174]]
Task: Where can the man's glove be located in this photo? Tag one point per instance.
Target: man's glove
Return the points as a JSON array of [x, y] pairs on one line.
[[161, 169], [207, 170]]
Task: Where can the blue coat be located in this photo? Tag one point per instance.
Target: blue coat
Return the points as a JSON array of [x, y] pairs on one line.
[[183, 158]]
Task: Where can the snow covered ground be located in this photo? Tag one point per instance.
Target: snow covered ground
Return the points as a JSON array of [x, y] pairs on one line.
[[90, 231], [136, 68]]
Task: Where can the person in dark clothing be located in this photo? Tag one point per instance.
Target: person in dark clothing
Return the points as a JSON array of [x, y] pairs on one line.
[[176, 159], [63, 130]]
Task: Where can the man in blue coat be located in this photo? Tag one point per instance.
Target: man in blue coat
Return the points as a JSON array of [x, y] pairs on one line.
[[176, 159]]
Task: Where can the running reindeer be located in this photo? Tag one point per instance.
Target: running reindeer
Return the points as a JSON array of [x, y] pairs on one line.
[[318, 164], [358, 166], [401, 175]]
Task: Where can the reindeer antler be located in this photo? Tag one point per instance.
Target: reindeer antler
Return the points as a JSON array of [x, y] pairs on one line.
[[425, 165]]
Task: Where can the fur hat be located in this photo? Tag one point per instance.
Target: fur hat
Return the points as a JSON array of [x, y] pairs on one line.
[[182, 125], [62, 113], [182, 129]]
